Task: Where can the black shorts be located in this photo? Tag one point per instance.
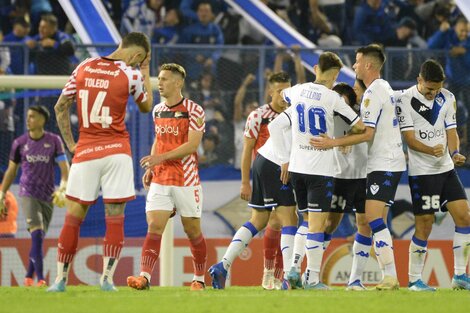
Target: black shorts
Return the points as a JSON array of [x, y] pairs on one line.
[[349, 196], [268, 191], [313, 192], [382, 186], [431, 192]]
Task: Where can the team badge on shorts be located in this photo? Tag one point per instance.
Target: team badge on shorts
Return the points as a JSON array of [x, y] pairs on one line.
[[374, 188]]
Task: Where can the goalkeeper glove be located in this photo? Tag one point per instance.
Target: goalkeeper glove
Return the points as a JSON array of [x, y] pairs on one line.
[[58, 197]]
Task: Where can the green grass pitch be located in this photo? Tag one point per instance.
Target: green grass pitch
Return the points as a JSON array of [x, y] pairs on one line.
[[233, 299]]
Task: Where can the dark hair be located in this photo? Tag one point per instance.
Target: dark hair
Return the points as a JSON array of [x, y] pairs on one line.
[[375, 51], [407, 22], [345, 90], [214, 137], [432, 71], [136, 39], [51, 19], [174, 68], [361, 83], [41, 110], [279, 77], [329, 60], [21, 21]]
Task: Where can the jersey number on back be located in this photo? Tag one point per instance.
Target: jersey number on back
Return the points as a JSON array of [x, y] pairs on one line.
[[105, 119], [316, 119]]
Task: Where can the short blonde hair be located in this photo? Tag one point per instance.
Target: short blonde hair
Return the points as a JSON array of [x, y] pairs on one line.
[[174, 68]]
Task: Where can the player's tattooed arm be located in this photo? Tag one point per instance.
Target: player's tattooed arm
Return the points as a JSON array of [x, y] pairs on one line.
[[62, 113]]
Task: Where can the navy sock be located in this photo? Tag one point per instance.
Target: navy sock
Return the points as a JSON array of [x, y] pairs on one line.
[[30, 271], [36, 254]]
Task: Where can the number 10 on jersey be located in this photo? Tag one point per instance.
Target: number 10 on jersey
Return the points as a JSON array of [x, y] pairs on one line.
[[315, 117], [105, 119]]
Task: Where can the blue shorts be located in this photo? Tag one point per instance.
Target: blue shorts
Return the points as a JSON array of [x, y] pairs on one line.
[[349, 196], [313, 192], [431, 192], [382, 186]]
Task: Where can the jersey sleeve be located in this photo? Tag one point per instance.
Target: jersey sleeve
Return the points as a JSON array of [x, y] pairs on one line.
[[371, 107], [288, 94], [404, 114], [253, 125], [15, 155], [345, 111], [450, 120], [137, 87], [59, 152], [197, 118], [70, 89], [277, 128]]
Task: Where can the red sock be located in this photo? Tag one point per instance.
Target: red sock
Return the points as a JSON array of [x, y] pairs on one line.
[[271, 241], [114, 237], [199, 251], [150, 252], [68, 238], [278, 264]]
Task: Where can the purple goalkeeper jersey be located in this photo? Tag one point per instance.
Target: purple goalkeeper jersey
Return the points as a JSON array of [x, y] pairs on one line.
[[37, 158]]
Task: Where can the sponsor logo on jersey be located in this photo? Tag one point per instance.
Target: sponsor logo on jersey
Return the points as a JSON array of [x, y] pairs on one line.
[[166, 129], [423, 108], [46, 145], [37, 158], [374, 188], [92, 70], [431, 134], [178, 114], [366, 102]]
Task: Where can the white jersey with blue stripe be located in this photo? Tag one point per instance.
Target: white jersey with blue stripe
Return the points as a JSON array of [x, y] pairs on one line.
[[311, 111], [429, 119], [378, 111]]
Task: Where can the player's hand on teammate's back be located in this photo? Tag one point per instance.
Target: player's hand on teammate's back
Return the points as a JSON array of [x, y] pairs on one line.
[[438, 150], [285, 173], [345, 150], [322, 142], [245, 191], [149, 161], [147, 178], [458, 159]]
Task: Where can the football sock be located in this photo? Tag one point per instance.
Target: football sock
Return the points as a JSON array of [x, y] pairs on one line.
[[417, 255], [36, 252], [460, 245], [199, 252], [67, 246], [383, 246], [299, 245], [278, 262], [113, 242], [271, 242], [361, 252], [287, 246], [150, 253], [240, 240], [314, 248]]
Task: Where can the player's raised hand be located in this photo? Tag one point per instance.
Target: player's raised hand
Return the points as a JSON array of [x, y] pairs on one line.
[[147, 179], [458, 159], [438, 150], [285, 173], [245, 191], [145, 65], [322, 142], [149, 161]]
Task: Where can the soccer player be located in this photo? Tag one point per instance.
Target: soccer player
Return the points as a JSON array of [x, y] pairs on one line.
[[37, 152], [385, 160], [172, 176], [267, 194], [313, 106], [427, 116], [101, 86]]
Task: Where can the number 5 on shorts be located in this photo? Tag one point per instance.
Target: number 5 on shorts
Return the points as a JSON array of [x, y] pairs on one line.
[[196, 195]]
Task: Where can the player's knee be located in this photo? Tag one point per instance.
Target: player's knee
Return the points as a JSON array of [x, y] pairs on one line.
[[463, 220], [423, 226], [155, 227]]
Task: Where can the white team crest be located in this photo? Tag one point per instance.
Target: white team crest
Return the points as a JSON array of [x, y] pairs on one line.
[[178, 114], [374, 189], [46, 145]]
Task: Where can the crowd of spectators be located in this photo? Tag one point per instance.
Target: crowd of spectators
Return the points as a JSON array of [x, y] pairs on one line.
[[217, 77]]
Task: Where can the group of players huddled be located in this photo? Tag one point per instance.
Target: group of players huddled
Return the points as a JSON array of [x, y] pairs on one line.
[[320, 148]]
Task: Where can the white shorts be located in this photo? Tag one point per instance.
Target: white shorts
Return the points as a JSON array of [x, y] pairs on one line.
[[186, 200], [114, 174]]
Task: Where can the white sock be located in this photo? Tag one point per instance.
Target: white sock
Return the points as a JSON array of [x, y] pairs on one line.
[[198, 278], [384, 250], [109, 266], [460, 245], [146, 275], [314, 248], [299, 246], [240, 240], [62, 272], [287, 247], [361, 253], [417, 254]]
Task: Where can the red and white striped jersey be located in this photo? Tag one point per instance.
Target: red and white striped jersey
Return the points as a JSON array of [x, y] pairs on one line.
[[172, 126], [102, 88], [257, 125]]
